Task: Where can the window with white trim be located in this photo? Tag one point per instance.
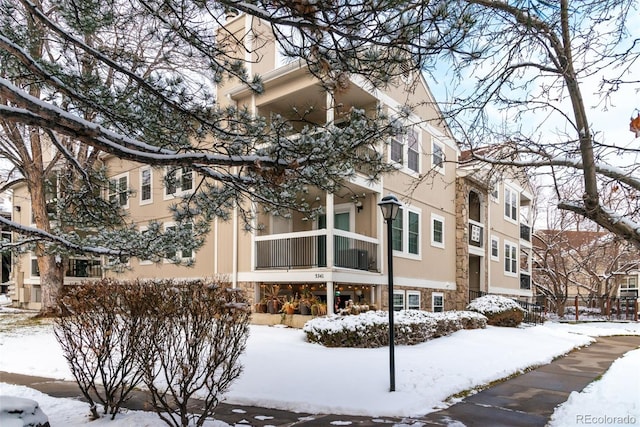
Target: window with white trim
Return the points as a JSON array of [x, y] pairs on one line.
[[437, 231], [145, 186], [510, 204], [495, 251], [144, 230], [629, 282], [397, 149], [397, 232], [398, 300], [437, 302], [413, 300], [406, 146], [173, 254], [437, 155], [510, 258], [119, 190], [406, 231], [178, 180], [413, 151]]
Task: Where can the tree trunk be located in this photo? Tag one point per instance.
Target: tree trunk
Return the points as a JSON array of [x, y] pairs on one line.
[[51, 282], [560, 308]]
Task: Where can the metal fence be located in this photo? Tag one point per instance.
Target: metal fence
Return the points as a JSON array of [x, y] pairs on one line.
[[588, 307], [534, 312]]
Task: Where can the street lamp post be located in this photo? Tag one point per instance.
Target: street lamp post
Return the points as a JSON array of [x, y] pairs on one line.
[[390, 207]]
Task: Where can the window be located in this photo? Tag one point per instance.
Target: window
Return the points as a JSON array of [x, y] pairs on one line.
[[173, 254], [437, 302], [413, 300], [409, 300], [178, 180], [414, 233], [630, 283], [397, 149], [35, 270], [397, 231], [398, 300], [144, 261], [406, 146], [437, 156], [119, 190], [495, 254], [407, 73], [406, 232], [145, 186], [510, 204], [437, 231], [510, 258], [413, 154]]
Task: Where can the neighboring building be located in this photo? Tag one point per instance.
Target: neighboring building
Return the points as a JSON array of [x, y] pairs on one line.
[[628, 283], [454, 232], [598, 264]]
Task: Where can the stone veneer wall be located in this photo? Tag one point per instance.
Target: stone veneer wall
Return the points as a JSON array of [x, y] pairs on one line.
[[249, 291], [462, 244]]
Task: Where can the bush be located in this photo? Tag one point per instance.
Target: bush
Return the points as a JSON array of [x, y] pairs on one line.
[[499, 310], [100, 340], [371, 329], [196, 334], [176, 337]]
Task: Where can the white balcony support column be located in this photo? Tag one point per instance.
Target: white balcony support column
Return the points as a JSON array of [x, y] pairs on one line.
[[234, 279], [330, 212], [330, 298]]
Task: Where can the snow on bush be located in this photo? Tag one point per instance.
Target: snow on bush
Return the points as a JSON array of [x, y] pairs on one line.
[[500, 311], [371, 329], [492, 304]]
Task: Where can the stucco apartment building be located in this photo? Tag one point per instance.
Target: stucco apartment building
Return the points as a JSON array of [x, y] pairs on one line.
[[455, 232]]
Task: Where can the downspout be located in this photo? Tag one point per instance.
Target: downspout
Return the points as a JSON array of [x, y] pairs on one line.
[[234, 280]]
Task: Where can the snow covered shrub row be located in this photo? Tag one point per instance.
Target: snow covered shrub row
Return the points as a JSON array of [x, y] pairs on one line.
[[499, 310], [175, 337], [371, 329]]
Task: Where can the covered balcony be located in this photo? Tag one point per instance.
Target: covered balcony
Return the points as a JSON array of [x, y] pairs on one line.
[[345, 235], [305, 250]]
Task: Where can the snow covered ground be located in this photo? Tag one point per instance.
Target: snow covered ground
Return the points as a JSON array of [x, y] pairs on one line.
[[282, 370]]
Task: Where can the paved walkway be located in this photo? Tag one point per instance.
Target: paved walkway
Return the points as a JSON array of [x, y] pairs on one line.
[[527, 400]]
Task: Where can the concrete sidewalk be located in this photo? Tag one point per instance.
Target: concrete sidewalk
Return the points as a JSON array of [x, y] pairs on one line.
[[527, 400]]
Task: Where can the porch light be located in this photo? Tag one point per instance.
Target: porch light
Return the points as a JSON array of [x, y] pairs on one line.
[[390, 207]]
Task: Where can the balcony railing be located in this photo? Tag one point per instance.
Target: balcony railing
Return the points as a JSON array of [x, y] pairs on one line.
[[309, 250], [476, 234], [525, 232], [76, 267]]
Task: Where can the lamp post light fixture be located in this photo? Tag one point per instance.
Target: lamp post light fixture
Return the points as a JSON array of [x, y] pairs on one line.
[[390, 207]]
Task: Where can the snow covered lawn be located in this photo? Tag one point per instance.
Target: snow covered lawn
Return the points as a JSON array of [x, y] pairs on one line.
[[282, 370]]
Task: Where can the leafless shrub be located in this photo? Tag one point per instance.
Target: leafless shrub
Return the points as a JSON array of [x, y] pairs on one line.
[[100, 339], [192, 342]]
